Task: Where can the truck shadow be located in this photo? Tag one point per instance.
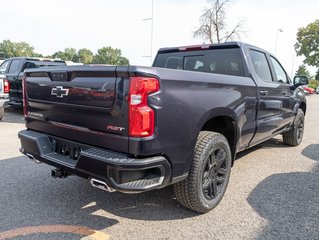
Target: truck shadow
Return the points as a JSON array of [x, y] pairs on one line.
[[30, 197], [271, 143], [13, 115], [289, 202]]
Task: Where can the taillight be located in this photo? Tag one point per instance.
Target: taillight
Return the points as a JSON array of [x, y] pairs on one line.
[[24, 96], [6, 86], [141, 116]]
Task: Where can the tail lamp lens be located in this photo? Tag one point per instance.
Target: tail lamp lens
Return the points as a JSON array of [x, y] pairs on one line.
[[6, 85], [141, 116]]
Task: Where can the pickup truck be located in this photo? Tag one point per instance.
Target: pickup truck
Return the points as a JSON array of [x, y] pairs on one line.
[[181, 122], [13, 69]]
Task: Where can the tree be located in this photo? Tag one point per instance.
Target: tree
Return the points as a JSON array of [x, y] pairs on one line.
[[69, 54], [307, 44], [16, 49], [213, 27], [85, 56], [303, 71], [108, 55], [317, 75]]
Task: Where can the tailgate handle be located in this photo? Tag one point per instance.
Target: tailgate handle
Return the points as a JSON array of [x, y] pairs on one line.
[[264, 92]]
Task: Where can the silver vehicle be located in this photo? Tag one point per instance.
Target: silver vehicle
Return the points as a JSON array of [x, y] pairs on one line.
[[317, 90], [4, 94]]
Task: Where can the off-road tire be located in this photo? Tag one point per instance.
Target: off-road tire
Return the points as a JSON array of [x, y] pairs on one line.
[[190, 192], [294, 136]]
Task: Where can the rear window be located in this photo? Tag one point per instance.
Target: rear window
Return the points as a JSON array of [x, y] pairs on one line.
[[221, 61], [38, 64]]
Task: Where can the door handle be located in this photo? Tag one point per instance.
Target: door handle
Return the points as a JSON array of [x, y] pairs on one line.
[[264, 92], [284, 93]]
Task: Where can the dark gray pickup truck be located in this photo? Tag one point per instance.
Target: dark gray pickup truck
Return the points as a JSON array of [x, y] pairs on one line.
[[181, 122]]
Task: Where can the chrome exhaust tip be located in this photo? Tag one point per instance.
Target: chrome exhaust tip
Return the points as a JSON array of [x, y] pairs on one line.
[[30, 156], [101, 185]]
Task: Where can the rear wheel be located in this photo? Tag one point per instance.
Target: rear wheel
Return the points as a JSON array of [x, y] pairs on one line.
[[294, 136], [209, 174]]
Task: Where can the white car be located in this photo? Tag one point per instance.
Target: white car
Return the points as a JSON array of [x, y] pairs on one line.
[[4, 95]]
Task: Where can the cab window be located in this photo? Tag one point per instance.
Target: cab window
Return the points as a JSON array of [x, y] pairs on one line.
[[280, 74], [261, 65], [4, 67], [14, 67]]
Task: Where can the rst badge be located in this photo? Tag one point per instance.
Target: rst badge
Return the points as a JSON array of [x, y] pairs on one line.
[[115, 128], [59, 91]]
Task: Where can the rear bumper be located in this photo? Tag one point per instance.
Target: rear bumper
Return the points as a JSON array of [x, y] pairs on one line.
[[3, 102], [121, 172]]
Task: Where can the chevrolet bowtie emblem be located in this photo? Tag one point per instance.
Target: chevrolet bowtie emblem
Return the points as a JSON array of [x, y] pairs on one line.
[[59, 91]]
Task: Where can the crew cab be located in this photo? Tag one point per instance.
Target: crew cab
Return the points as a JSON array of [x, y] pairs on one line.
[[133, 129], [13, 69]]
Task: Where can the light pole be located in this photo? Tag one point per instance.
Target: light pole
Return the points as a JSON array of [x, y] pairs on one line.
[[293, 65], [278, 31], [152, 26]]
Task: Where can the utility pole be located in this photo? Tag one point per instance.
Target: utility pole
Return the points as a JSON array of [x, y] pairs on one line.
[[152, 32], [278, 31]]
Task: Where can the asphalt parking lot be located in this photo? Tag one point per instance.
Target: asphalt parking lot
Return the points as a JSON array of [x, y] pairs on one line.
[[273, 194]]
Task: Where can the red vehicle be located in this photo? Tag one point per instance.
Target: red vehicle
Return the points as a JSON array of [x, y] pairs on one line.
[[309, 90], [303, 82]]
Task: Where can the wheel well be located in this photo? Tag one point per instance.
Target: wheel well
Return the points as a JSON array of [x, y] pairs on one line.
[[303, 107], [223, 125]]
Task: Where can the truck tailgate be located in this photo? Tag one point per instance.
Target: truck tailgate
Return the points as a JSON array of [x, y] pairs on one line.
[[85, 104]]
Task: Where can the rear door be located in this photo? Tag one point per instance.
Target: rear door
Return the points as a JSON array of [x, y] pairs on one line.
[[269, 98], [15, 95], [282, 81], [84, 104]]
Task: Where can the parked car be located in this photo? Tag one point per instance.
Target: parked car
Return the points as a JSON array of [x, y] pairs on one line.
[[133, 129], [317, 90], [4, 94], [309, 90], [13, 69]]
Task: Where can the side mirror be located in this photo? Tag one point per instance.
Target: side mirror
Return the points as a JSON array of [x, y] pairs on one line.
[[300, 80]]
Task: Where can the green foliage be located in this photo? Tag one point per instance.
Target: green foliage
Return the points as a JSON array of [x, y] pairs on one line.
[[85, 56], [108, 55], [104, 55], [303, 71], [307, 44], [313, 84], [317, 75], [69, 54], [16, 49]]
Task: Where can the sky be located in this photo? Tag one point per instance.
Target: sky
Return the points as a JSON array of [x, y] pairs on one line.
[[51, 26]]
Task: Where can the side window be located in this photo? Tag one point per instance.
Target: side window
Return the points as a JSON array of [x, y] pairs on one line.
[[261, 65], [224, 61], [14, 67], [4, 67], [281, 76]]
